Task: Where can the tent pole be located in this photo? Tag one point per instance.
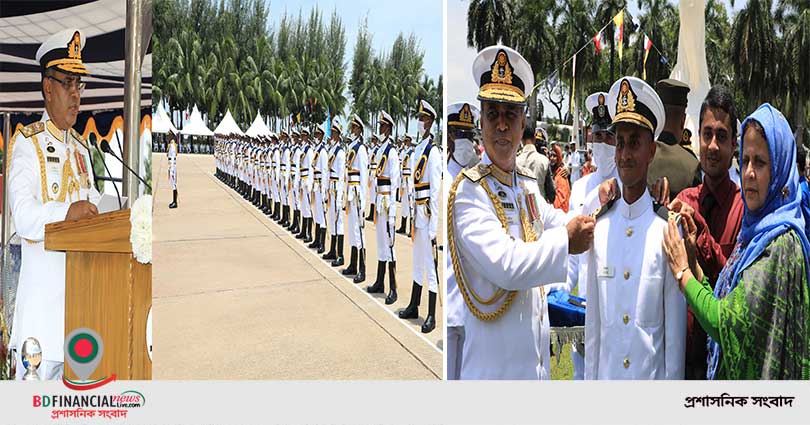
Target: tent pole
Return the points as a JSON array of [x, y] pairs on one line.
[[132, 96]]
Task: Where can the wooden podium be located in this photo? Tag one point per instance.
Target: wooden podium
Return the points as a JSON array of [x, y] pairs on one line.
[[106, 290]]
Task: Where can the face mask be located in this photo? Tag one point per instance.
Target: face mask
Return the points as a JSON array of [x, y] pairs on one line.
[[465, 153], [423, 127], [604, 156]]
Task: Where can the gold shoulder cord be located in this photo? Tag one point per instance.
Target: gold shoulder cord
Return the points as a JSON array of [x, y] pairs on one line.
[[42, 175], [460, 279]]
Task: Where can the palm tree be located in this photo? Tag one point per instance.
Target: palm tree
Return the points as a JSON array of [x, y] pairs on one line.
[[490, 22], [753, 52], [793, 17]]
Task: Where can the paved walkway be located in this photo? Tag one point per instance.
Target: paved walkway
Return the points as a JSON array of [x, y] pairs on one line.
[[235, 296]]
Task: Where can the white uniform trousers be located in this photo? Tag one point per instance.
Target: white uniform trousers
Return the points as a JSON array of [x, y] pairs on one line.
[[385, 229], [423, 260], [335, 215], [356, 223], [455, 348], [319, 208], [306, 202], [173, 176]]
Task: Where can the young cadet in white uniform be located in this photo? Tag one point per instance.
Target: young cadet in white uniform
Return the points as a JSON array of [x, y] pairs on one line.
[[278, 178], [505, 241], [171, 153], [635, 323], [406, 188], [295, 181], [305, 193], [604, 156], [50, 179], [386, 182], [286, 152], [427, 175], [320, 184], [461, 125], [335, 196], [356, 196], [372, 170]]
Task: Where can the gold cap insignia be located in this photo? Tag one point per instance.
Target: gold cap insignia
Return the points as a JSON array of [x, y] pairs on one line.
[[465, 115], [501, 69], [627, 100], [75, 47]]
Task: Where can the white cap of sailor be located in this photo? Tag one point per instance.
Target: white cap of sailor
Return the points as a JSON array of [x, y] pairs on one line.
[[632, 100], [463, 115], [63, 51], [502, 75]]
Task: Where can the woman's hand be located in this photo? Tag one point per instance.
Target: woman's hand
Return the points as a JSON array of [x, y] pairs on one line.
[[675, 249]]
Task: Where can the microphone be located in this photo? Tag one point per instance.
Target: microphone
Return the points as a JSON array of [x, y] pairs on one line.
[[105, 146], [115, 186]]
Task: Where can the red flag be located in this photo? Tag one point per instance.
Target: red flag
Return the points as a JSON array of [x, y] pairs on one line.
[[647, 46], [598, 42]]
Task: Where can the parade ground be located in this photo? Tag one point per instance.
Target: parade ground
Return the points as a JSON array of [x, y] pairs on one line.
[[236, 296]]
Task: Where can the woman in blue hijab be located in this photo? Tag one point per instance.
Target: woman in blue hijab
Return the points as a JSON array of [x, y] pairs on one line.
[[758, 316]]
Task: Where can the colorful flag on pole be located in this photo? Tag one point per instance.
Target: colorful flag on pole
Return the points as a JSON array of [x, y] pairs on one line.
[[647, 46], [598, 42], [618, 20]]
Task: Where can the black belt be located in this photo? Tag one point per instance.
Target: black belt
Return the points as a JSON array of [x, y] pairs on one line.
[[381, 181]]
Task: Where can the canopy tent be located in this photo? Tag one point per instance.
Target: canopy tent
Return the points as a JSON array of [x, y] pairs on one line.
[[258, 128], [25, 25], [195, 125], [161, 122], [228, 125]]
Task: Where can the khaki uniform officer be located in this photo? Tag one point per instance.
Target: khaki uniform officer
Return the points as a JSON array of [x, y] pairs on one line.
[[50, 179]]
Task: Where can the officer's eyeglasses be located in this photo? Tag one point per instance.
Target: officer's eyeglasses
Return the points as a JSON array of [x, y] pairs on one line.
[[464, 134], [70, 84]]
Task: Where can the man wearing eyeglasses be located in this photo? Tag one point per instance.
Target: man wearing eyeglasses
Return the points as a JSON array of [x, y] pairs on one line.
[[50, 180]]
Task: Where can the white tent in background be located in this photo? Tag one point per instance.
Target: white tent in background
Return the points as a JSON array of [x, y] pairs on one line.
[[228, 125], [691, 67], [258, 128], [195, 125], [161, 122]]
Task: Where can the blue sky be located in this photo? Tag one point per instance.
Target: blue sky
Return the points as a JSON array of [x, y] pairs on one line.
[[386, 19], [459, 83]]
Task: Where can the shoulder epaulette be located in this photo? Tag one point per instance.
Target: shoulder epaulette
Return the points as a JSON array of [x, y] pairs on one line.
[[525, 172], [32, 129], [661, 210], [475, 174], [603, 209], [77, 135]]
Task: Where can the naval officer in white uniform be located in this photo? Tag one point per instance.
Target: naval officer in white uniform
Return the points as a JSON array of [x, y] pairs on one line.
[[50, 179], [386, 182], [461, 128], [427, 184], [505, 241], [635, 322]]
